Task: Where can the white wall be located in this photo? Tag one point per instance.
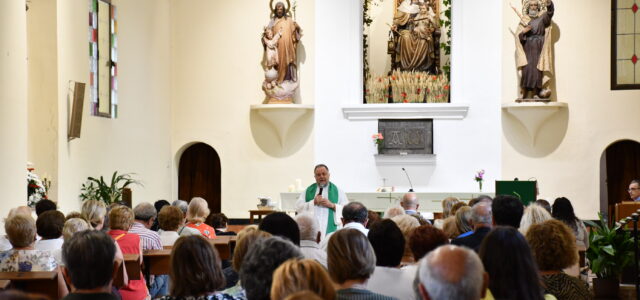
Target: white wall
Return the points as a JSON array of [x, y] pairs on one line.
[[42, 85], [216, 77], [462, 147], [566, 157], [138, 140], [13, 105]]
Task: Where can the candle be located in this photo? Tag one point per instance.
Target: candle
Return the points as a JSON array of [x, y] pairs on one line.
[[298, 184]]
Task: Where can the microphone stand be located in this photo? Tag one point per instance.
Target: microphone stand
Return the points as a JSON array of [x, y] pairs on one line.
[[409, 179]]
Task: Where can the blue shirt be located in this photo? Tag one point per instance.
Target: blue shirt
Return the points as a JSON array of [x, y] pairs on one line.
[[468, 233]]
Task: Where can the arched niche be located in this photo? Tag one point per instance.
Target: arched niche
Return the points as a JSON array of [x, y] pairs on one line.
[[199, 175], [619, 164]]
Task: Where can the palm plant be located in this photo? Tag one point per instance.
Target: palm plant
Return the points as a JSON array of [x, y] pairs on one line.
[[108, 192]]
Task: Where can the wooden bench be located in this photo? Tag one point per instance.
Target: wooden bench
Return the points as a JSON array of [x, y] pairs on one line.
[[4, 284], [45, 283], [223, 245], [156, 262]]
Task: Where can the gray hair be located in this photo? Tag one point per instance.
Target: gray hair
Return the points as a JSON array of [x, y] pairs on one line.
[[145, 211], [308, 227], [264, 256], [481, 213], [435, 274], [182, 205], [393, 212]]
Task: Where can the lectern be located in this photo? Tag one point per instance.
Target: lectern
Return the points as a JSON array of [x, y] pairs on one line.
[[526, 191]]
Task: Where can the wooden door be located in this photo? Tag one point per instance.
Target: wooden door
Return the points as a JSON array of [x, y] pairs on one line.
[[199, 175], [623, 165]]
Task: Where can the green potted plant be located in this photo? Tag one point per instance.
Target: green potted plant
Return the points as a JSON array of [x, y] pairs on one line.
[[611, 250], [108, 192]]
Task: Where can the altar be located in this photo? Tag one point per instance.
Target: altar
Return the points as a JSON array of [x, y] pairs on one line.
[[379, 202]]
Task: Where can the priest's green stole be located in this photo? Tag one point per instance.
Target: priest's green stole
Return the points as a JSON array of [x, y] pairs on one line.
[[333, 197]]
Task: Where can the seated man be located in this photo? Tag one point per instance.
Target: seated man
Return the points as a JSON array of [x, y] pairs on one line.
[[309, 238], [354, 216], [451, 272], [410, 204], [481, 219], [89, 258]]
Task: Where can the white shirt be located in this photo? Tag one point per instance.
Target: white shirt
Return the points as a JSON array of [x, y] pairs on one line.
[[352, 225], [321, 213], [5, 244], [188, 231], [402, 279], [168, 238], [311, 250], [52, 244]]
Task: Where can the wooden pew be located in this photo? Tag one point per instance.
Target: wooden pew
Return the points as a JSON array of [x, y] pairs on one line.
[[156, 262], [4, 284], [132, 264], [45, 283], [223, 245]]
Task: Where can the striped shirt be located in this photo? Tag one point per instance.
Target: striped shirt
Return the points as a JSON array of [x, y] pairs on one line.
[[149, 238]]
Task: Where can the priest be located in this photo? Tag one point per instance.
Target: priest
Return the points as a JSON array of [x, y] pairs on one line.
[[324, 200]]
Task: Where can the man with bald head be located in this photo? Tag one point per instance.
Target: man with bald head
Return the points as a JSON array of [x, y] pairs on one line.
[[481, 219], [309, 238], [410, 204], [451, 272]]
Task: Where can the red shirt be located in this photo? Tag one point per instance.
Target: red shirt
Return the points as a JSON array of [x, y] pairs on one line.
[[130, 244]]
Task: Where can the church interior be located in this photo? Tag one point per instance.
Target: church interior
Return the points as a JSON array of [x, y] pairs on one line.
[[185, 103]]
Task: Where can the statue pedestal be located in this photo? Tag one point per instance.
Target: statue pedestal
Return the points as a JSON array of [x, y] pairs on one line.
[[282, 116], [533, 114]]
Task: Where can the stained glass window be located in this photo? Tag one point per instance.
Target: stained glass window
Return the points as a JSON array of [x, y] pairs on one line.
[[625, 40], [103, 57]]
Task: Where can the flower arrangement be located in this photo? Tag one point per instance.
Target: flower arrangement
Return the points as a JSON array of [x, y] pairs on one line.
[[480, 178], [36, 189], [378, 140], [408, 87], [377, 90]]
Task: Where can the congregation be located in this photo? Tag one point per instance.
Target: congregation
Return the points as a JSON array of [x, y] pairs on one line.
[[485, 249]]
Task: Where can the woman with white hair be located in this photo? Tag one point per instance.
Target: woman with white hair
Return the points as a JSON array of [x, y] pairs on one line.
[[196, 215]]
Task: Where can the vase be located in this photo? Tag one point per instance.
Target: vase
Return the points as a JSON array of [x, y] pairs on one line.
[[606, 288], [480, 186]]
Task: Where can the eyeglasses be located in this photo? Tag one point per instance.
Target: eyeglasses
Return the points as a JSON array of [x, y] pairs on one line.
[[633, 189]]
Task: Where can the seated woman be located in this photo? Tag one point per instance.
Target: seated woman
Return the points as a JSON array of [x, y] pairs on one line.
[[563, 211], [196, 215], [425, 239], [554, 249], [389, 246], [170, 219], [94, 212], [49, 227], [533, 214], [120, 221], [195, 270], [447, 204], [246, 237], [21, 232], [219, 223], [296, 275], [513, 273], [351, 262], [463, 222], [407, 224]]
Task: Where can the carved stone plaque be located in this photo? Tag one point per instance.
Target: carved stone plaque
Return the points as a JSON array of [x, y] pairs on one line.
[[402, 137]]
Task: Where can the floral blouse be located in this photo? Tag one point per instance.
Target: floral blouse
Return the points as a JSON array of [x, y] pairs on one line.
[[209, 297], [27, 260]]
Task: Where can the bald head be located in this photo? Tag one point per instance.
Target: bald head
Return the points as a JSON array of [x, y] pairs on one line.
[[410, 201], [481, 214], [451, 272]]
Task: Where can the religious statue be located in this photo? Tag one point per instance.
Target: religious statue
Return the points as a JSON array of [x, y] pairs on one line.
[[280, 40], [416, 36], [534, 56]]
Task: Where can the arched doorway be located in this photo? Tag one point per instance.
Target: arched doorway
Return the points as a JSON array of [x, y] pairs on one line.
[[620, 163], [199, 175]]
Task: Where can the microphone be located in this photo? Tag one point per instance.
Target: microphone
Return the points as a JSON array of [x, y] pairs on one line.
[[320, 192], [411, 184]]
